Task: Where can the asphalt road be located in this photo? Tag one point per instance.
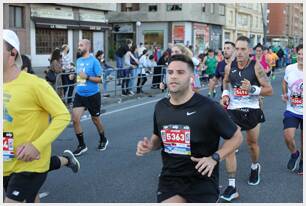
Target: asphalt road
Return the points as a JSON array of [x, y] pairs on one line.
[[117, 175]]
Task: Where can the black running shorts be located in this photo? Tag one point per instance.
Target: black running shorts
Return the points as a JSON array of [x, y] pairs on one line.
[[246, 118], [23, 186], [192, 189], [92, 103]]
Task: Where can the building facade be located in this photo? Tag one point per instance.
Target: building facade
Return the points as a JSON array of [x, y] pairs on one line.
[[244, 19], [163, 23], [285, 24], [44, 27]]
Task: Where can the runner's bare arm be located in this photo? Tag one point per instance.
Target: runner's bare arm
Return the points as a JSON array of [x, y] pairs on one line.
[[266, 88], [226, 86], [226, 82], [230, 145], [284, 91]]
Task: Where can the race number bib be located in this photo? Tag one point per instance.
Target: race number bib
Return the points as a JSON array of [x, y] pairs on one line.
[[296, 100], [8, 146], [238, 92], [176, 139], [80, 81]]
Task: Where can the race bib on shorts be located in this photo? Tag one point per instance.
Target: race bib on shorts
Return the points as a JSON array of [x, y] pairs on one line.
[[238, 92], [176, 139], [8, 146]]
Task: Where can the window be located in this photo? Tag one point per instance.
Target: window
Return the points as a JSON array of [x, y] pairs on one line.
[[204, 7], [212, 8], [152, 8], [258, 38], [154, 38], [231, 17], [242, 20], [256, 21], [49, 39], [16, 17], [227, 36], [126, 7], [88, 35], [174, 7], [221, 9]]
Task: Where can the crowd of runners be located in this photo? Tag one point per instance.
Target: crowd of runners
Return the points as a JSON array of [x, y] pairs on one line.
[[187, 126]]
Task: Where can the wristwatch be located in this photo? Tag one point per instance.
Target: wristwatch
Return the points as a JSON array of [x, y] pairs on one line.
[[253, 89], [87, 78], [215, 156]]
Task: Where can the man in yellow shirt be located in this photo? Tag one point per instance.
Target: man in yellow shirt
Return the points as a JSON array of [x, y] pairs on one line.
[[27, 133]]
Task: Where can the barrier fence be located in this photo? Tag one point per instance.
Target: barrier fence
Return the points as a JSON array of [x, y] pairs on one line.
[[114, 78]]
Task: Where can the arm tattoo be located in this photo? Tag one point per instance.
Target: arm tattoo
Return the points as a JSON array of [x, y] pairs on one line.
[[262, 77]]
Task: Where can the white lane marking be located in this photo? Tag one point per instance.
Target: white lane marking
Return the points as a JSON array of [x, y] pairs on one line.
[[87, 117]]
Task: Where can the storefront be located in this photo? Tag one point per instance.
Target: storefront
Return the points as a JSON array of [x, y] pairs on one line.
[[52, 27], [122, 32], [215, 37], [200, 37], [152, 34]]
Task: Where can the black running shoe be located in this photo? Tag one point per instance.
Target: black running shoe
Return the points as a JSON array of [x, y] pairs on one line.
[[229, 194], [102, 145], [80, 150], [254, 178], [292, 163], [300, 170], [73, 163]]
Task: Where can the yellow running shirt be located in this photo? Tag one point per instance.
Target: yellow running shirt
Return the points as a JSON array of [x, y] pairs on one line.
[[27, 103]]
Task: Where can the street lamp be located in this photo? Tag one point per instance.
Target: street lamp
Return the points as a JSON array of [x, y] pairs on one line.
[[138, 24]]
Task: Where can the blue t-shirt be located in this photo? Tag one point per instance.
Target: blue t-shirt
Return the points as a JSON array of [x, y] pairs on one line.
[[92, 68]]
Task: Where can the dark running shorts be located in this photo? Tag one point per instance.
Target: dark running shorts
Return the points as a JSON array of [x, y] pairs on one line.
[[192, 189], [246, 118], [92, 103], [293, 122], [23, 186]]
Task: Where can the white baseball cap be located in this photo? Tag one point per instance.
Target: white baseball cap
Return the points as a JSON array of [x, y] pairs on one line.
[[10, 37]]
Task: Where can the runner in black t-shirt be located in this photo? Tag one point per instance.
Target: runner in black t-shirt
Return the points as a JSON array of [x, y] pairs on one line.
[[229, 55], [188, 127]]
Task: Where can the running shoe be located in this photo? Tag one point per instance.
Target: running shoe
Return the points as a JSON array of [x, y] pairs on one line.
[[254, 178], [80, 150], [293, 161], [102, 145], [229, 194], [73, 163]]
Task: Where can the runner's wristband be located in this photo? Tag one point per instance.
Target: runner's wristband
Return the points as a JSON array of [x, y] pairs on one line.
[[255, 90], [225, 93]]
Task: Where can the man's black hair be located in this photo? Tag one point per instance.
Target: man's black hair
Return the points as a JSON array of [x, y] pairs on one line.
[[229, 42], [243, 38], [182, 58], [299, 47]]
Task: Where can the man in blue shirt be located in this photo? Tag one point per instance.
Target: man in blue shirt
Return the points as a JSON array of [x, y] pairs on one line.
[[87, 96]]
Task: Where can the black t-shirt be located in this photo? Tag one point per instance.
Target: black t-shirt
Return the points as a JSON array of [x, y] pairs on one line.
[[191, 129], [220, 69]]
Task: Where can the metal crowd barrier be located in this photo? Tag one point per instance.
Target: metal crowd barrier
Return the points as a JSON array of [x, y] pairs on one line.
[[113, 81]]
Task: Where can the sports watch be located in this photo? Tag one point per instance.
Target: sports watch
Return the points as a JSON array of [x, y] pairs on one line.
[[215, 156]]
